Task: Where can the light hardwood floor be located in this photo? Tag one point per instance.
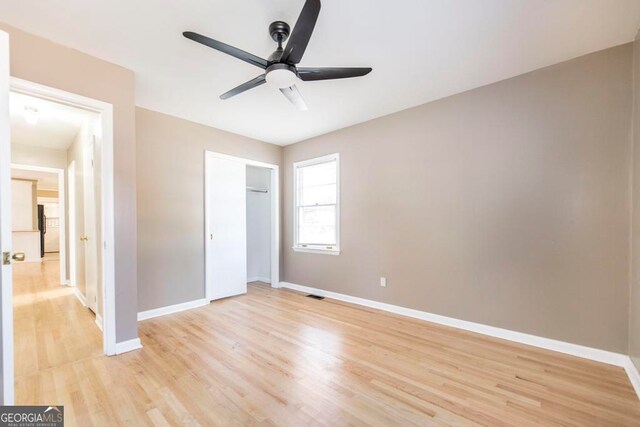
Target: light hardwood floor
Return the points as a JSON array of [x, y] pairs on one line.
[[274, 357]]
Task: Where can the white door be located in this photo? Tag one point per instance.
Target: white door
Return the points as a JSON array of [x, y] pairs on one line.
[[73, 237], [226, 229], [6, 282], [90, 237]]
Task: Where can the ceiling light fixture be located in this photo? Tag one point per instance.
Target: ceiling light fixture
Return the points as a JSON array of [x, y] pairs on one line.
[[31, 115]]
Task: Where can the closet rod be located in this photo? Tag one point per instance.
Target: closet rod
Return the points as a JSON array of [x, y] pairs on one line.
[[257, 190]]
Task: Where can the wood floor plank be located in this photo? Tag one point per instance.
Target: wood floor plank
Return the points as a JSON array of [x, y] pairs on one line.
[[273, 358]]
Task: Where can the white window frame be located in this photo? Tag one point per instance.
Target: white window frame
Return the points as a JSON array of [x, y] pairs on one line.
[[316, 249]]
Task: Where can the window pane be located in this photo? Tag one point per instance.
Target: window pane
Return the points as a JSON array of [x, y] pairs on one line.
[[319, 195], [317, 225], [320, 174]]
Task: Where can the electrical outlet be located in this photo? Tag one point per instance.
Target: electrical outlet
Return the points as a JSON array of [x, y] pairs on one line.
[[383, 282]]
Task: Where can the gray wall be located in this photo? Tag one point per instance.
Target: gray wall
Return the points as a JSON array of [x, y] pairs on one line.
[[634, 294], [170, 153], [41, 61], [507, 205]]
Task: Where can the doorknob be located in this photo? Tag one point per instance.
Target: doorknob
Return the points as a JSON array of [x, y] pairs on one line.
[[84, 238], [6, 257]]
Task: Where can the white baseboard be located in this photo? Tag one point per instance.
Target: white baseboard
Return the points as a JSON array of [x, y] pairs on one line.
[[259, 279], [65, 283], [634, 375], [80, 297], [125, 346], [99, 321], [598, 355], [162, 311]]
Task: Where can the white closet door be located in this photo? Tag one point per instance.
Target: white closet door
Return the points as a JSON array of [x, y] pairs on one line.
[[226, 227]]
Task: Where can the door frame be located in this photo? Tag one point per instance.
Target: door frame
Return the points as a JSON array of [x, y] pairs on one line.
[[64, 277], [105, 110], [275, 214]]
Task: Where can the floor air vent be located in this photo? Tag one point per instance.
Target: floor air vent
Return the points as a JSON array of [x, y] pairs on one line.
[[315, 296]]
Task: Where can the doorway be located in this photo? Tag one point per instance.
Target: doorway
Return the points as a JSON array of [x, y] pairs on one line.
[[51, 201], [237, 192], [103, 237], [48, 140], [258, 224]]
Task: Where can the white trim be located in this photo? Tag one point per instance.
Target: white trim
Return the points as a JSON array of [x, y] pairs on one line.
[[317, 160], [107, 203], [258, 279], [634, 375], [66, 283], [275, 214], [80, 297], [247, 162], [170, 309], [275, 226], [316, 249], [99, 321], [125, 346], [64, 278], [598, 355]]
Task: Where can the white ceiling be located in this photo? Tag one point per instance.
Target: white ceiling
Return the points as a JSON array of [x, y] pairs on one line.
[[46, 180], [420, 51], [57, 125]]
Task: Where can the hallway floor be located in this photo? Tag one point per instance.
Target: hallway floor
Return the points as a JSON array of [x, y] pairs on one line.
[[52, 330]]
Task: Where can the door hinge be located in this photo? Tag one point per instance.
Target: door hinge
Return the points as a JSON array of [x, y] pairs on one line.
[[6, 258]]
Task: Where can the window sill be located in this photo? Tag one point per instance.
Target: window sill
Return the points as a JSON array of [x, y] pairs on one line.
[[317, 251]]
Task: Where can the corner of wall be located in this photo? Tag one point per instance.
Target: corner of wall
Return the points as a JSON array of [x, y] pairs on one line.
[[632, 177]]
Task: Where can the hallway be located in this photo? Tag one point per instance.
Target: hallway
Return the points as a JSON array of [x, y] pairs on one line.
[[52, 331]]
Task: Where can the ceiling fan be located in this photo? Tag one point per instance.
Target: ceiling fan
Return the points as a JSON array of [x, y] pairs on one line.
[[281, 68]]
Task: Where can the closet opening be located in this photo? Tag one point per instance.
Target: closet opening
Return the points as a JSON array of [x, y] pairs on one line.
[[241, 225], [258, 225]]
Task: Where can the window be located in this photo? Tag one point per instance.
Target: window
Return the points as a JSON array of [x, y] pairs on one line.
[[316, 203]]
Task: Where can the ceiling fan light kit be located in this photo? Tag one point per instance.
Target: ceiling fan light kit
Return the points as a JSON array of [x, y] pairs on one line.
[[280, 69], [281, 75]]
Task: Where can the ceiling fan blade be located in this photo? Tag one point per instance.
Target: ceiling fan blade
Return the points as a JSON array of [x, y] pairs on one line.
[[301, 33], [294, 96], [309, 74], [244, 87], [225, 48]]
